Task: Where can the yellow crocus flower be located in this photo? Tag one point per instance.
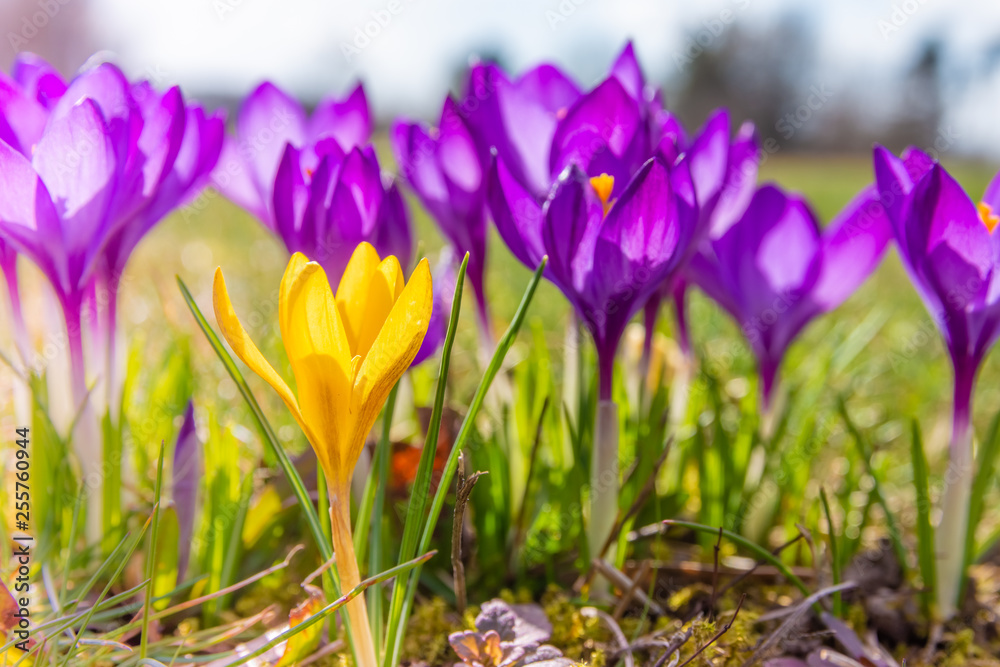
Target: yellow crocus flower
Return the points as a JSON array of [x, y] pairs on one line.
[[347, 350]]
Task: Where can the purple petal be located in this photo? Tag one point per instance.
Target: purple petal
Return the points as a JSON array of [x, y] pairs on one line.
[[268, 119], [573, 217], [393, 233], [76, 160], [28, 218], [234, 178], [187, 477], [22, 119], [444, 291], [348, 121], [38, 78], [357, 196], [627, 70], [597, 133], [853, 246], [291, 194], [741, 181], [517, 215], [709, 158]]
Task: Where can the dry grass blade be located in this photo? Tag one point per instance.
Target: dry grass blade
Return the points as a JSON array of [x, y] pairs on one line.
[[793, 614], [464, 490], [623, 645]]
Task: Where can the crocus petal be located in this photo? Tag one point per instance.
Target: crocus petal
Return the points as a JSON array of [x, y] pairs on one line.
[[709, 158], [297, 264], [392, 353], [268, 120], [234, 178], [384, 288], [348, 121], [318, 350], [517, 215], [573, 217], [352, 290], [187, 478], [853, 245], [38, 78], [627, 70], [393, 232], [76, 160], [444, 290], [741, 181], [22, 119], [597, 133], [247, 351], [29, 219]]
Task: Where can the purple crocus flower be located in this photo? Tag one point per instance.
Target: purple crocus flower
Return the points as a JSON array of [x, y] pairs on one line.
[[607, 256], [724, 171], [270, 119], [950, 249], [100, 161], [326, 212], [774, 269], [447, 171]]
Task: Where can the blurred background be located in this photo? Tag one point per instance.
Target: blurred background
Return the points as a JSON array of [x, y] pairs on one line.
[[827, 75]]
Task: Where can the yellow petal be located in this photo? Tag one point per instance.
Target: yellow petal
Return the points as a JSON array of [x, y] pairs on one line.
[[352, 292], [318, 350], [296, 265], [245, 348], [386, 285], [391, 353]]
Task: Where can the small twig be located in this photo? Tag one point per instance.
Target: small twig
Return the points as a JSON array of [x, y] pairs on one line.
[[717, 635], [715, 573], [628, 592], [618, 578], [463, 491], [674, 646]]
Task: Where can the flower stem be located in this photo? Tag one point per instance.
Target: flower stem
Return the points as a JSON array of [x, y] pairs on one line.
[[21, 340], [958, 479], [85, 435], [347, 569], [603, 478]]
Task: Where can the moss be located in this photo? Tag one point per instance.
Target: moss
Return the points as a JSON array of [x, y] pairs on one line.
[[427, 633]]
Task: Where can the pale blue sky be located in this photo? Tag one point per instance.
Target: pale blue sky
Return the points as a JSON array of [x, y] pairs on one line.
[[229, 46]]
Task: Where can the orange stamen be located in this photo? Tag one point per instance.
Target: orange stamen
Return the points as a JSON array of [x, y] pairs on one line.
[[986, 214], [603, 185]]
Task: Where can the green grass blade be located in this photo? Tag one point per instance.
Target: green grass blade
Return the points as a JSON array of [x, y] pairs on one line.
[[925, 531], [838, 602], [154, 534], [398, 617], [760, 552], [985, 468], [114, 577], [422, 480], [895, 535]]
